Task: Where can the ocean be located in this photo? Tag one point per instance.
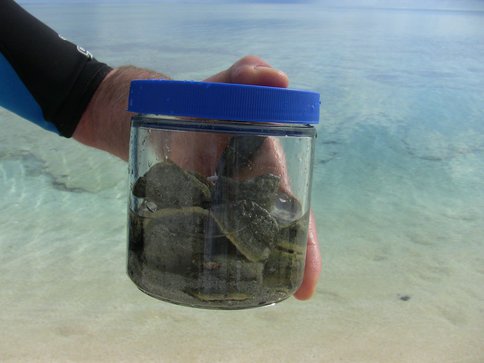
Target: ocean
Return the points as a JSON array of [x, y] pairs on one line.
[[398, 189]]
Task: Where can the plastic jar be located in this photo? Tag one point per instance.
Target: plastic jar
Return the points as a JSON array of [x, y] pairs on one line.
[[220, 180]]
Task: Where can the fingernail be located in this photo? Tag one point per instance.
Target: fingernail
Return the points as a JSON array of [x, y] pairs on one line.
[[262, 66]]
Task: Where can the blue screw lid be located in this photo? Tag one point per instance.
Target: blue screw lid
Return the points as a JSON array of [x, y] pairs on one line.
[[224, 101]]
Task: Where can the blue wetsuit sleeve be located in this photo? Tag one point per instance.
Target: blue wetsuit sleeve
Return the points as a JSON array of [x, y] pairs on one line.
[[15, 97], [43, 77]]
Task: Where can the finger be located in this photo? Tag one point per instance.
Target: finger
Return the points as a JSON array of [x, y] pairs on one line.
[[312, 268], [251, 70]]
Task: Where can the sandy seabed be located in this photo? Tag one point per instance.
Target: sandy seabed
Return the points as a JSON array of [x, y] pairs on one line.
[[408, 292]]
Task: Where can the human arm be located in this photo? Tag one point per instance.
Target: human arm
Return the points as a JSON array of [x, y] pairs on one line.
[[44, 78]]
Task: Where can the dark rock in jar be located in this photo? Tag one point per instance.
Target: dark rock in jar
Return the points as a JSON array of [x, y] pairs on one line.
[[168, 185], [235, 243], [261, 189], [248, 226], [174, 237]]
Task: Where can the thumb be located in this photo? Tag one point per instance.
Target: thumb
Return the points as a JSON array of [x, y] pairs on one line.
[[251, 70]]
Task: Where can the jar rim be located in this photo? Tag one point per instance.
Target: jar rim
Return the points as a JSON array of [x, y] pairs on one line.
[[180, 123]]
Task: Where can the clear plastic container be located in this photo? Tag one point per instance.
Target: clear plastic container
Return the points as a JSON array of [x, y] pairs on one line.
[[220, 180]]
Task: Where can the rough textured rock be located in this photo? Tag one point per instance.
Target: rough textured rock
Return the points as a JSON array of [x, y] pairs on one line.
[[169, 186], [248, 226], [224, 245]]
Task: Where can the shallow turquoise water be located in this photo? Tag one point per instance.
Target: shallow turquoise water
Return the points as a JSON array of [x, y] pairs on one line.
[[398, 190]]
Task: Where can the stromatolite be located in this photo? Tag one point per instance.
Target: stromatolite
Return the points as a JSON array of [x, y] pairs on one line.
[[168, 185], [260, 189], [248, 226], [218, 241]]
